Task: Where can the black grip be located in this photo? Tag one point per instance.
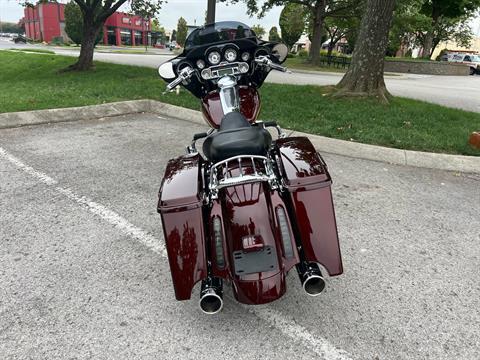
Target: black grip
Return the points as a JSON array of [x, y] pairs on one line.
[[270, 124], [199, 136]]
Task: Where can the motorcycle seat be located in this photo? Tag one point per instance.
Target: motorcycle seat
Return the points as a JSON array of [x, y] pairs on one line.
[[236, 137]]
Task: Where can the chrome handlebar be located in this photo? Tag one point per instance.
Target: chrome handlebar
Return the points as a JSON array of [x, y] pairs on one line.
[[184, 75], [265, 61], [188, 72]]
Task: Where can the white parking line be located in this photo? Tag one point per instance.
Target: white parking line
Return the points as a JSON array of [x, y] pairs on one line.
[[317, 344]]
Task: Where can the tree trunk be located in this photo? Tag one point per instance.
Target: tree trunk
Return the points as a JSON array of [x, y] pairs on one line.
[[90, 33], [316, 40], [365, 75], [428, 45], [330, 48]]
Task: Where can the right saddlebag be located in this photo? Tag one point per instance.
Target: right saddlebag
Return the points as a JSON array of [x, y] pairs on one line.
[[306, 178]]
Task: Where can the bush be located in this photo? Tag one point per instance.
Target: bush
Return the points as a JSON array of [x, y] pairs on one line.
[[303, 53], [442, 54], [58, 40]]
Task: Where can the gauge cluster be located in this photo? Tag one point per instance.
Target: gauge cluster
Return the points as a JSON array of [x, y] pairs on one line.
[[218, 61]]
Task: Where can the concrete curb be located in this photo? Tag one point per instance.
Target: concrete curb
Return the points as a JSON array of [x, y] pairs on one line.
[[25, 118], [466, 164]]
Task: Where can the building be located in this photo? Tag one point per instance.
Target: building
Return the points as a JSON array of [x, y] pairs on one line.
[[46, 22]]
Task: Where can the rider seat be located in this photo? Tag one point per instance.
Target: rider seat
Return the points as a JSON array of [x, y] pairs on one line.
[[236, 137]]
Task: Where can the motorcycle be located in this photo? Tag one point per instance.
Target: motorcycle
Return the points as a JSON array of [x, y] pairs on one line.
[[250, 208]]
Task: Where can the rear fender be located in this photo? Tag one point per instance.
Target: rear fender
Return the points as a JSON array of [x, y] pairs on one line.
[[247, 214]]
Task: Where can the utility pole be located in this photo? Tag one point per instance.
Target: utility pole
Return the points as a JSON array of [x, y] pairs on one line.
[[211, 11]]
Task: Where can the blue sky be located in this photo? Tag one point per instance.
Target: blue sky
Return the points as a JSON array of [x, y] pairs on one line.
[[191, 10]]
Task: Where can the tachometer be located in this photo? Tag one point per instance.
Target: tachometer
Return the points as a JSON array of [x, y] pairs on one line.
[[214, 58], [230, 55]]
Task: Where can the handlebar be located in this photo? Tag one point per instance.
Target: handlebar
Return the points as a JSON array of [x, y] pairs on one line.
[[184, 75], [265, 61]]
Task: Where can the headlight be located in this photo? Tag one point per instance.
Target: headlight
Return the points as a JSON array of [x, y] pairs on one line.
[[230, 55], [201, 64], [214, 58], [245, 56]]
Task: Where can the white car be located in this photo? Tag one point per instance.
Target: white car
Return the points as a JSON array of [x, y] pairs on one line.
[[469, 59]]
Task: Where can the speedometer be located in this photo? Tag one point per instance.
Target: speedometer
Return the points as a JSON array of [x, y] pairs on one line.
[[214, 58], [230, 55]]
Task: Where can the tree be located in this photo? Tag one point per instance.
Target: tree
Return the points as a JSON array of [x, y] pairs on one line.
[[365, 75], [158, 32], [444, 14], [182, 30], [12, 27], [319, 10], [94, 15], [292, 23], [174, 35], [338, 28], [74, 24], [259, 30], [273, 35], [146, 10]]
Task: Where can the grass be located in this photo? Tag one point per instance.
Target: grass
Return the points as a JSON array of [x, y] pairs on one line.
[[39, 51], [33, 82]]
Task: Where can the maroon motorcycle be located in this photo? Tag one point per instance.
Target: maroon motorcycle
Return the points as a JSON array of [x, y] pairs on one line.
[[250, 208]]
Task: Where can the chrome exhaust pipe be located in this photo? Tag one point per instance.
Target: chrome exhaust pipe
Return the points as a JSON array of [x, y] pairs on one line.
[[311, 278], [211, 296]]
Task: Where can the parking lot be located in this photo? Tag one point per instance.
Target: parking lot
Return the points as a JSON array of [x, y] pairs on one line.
[[83, 272]]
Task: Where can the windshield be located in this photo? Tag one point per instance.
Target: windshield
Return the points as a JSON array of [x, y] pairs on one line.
[[476, 58], [218, 32]]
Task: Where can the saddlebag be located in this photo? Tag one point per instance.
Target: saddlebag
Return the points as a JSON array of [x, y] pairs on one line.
[[180, 206], [306, 178]]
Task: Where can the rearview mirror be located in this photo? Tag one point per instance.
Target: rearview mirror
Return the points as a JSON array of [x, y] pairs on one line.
[[280, 51], [166, 70]]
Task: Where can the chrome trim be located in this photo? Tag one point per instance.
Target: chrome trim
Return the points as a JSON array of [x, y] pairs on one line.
[[267, 176], [213, 72], [229, 96]]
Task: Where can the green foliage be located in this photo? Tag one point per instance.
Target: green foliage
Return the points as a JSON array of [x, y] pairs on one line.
[[303, 54], [158, 33], [416, 21], [182, 30], [145, 9], [273, 35], [345, 26], [13, 28], [292, 23], [259, 30], [74, 23]]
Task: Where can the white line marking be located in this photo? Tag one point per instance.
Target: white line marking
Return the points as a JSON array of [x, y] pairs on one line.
[[97, 209], [298, 333]]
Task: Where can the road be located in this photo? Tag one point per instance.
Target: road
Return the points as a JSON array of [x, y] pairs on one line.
[[461, 92], [83, 275]]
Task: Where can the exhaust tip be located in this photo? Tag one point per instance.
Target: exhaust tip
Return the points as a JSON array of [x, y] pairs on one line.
[[314, 285], [211, 303]]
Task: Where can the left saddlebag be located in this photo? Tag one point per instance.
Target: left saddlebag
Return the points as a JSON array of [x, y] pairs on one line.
[[180, 207]]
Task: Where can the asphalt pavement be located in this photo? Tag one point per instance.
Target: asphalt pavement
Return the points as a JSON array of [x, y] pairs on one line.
[[461, 92], [83, 272]]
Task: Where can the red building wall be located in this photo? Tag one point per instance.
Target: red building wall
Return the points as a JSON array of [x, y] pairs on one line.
[[45, 21]]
